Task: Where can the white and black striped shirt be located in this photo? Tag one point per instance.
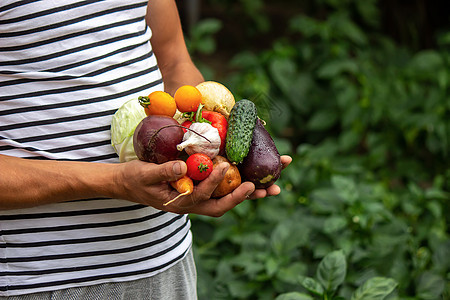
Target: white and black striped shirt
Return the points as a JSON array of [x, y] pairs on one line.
[[65, 68]]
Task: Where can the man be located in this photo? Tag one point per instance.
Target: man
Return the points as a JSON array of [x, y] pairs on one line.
[[74, 222]]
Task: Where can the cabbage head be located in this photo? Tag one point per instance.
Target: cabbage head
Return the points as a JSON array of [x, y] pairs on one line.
[[123, 124]]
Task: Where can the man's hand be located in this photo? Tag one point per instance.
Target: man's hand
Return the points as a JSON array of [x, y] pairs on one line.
[[147, 183]]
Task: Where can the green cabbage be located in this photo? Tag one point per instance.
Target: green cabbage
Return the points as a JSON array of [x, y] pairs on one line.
[[123, 124]]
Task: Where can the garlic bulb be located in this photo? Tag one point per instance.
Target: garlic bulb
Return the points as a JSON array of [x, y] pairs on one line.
[[201, 138]]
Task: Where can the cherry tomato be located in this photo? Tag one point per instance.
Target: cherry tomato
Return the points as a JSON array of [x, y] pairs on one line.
[[199, 166]]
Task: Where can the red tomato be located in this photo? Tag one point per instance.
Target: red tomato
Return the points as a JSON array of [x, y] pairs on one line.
[[218, 121], [187, 124], [199, 166]]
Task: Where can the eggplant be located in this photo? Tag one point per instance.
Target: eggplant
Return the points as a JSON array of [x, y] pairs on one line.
[[262, 165]]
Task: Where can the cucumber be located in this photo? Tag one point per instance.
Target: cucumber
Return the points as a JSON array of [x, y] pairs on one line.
[[241, 124]]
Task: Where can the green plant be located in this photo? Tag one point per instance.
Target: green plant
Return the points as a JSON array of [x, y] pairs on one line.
[[201, 41], [201, 37], [367, 122], [331, 274]]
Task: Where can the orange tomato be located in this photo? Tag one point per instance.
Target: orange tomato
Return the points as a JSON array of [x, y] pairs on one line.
[[187, 98], [158, 103]]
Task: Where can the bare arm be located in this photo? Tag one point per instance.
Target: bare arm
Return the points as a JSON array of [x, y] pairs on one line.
[[27, 183], [169, 46]]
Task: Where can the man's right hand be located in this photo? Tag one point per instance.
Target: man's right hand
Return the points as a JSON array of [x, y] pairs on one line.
[[148, 184]]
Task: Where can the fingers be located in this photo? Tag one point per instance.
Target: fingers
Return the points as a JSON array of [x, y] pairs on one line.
[[257, 194], [285, 160], [200, 201], [205, 188], [169, 171], [272, 190], [218, 207]]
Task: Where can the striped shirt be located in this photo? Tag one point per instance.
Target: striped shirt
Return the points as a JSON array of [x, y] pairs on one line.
[[65, 68]]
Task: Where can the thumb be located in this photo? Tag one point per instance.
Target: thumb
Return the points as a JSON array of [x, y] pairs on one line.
[[169, 171]]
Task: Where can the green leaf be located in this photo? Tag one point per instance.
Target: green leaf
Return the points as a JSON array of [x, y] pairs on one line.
[[332, 270], [206, 27], [444, 38], [322, 120], [305, 25], [239, 289], [435, 193], [435, 208], [312, 285], [283, 71], [283, 145], [325, 200], [290, 273], [294, 296], [427, 60], [206, 45], [243, 210], [336, 67], [349, 29], [248, 262], [245, 59], [349, 139], [376, 288], [201, 38], [346, 188], [430, 286], [271, 266], [288, 235], [334, 224], [369, 11]]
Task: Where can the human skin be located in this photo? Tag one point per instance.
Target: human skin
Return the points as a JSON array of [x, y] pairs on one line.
[[28, 183]]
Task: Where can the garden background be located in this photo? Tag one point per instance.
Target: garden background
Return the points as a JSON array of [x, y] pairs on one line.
[[358, 93]]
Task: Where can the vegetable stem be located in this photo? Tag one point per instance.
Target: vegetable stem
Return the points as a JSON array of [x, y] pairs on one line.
[[144, 101], [199, 117]]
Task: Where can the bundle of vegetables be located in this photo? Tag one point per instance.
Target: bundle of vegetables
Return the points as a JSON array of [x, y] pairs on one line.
[[204, 126]]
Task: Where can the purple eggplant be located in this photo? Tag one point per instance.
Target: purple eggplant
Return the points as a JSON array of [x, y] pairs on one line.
[[262, 165]]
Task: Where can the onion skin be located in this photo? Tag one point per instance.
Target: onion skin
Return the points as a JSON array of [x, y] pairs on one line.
[[156, 138], [216, 97]]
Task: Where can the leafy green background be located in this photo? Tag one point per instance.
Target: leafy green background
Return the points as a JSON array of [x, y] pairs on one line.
[[358, 93]]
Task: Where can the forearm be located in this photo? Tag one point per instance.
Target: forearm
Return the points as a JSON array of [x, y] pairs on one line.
[[180, 74], [169, 46], [27, 183]]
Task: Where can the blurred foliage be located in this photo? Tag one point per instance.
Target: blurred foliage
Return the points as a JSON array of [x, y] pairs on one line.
[[367, 122]]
